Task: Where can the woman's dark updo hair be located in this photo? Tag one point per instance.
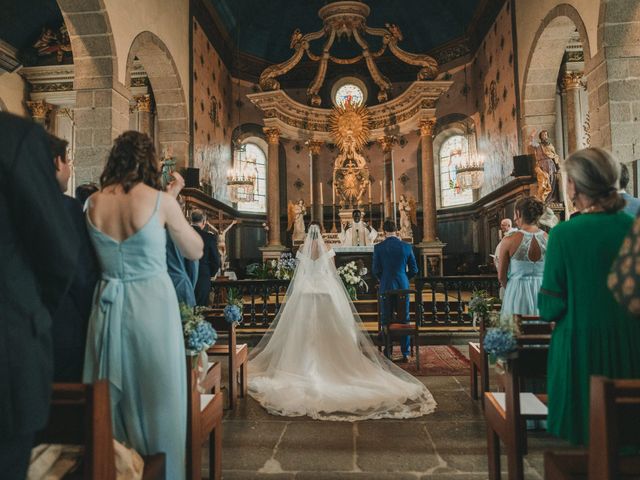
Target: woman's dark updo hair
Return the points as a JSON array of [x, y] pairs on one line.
[[530, 210], [595, 174], [132, 160]]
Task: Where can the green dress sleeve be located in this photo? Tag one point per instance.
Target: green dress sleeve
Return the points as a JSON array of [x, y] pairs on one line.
[[552, 299]]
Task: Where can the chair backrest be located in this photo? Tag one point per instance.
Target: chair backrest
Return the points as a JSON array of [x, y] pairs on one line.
[[397, 300], [81, 415], [614, 421]]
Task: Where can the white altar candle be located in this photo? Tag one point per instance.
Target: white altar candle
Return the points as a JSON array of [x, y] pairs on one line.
[[333, 192], [381, 190], [369, 192], [321, 196]]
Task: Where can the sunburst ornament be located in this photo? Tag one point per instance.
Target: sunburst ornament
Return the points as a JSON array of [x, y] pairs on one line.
[[350, 126]]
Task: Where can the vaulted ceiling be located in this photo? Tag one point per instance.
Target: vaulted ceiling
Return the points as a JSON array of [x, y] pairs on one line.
[[21, 21], [263, 29]]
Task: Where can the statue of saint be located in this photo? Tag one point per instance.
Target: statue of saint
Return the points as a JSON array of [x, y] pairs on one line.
[[296, 215], [547, 166], [407, 209]]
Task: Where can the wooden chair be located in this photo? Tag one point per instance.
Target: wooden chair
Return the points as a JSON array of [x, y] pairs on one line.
[[204, 420], [81, 415], [614, 420], [394, 329], [237, 356], [506, 413]]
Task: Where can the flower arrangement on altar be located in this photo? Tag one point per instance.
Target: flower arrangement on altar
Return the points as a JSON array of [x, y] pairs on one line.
[[351, 276], [281, 269], [233, 310], [199, 335]]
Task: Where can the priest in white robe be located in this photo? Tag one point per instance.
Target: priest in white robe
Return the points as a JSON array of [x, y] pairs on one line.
[[359, 233]]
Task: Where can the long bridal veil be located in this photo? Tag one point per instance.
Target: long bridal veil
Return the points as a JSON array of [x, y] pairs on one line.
[[316, 359]]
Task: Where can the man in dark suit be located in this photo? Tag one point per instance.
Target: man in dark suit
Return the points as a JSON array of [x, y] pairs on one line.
[[38, 260], [394, 264], [72, 317], [210, 261]]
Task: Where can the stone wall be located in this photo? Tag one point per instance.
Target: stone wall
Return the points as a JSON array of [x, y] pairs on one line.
[[213, 112]]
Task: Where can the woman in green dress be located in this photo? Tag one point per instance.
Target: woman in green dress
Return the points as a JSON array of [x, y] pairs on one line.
[[593, 334]]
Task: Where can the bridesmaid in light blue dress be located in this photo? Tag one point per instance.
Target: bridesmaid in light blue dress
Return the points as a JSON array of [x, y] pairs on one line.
[[521, 263], [135, 334]]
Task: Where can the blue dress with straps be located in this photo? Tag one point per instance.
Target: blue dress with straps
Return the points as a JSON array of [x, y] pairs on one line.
[[135, 341]]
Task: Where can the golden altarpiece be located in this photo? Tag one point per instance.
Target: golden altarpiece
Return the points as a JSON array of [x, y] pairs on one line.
[[351, 125]]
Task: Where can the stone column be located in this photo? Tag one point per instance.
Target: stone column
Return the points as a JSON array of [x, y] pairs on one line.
[[431, 247], [274, 246], [39, 111], [572, 83], [386, 144], [314, 149], [144, 107]]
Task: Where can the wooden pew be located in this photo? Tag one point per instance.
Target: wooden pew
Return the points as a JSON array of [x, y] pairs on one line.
[[614, 420], [204, 420], [81, 415], [506, 413], [479, 365], [237, 356]]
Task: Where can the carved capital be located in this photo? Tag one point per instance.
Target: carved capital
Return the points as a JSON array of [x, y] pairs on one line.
[[273, 135], [143, 103], [39, 110], [315, 146], [387, 142], [572, 80], [426, 128]]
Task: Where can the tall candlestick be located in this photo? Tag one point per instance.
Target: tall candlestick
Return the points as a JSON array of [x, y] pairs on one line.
[[321, 196], [381, 190], [333, 193], [369, 192]]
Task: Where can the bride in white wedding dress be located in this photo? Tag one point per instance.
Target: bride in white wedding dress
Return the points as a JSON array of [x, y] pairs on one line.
[[317, 360]]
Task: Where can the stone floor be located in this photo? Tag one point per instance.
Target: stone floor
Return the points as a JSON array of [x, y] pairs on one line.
[[448, 444]]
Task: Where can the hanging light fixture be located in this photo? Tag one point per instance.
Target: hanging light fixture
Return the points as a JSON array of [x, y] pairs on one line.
[[470, 171], [241, 178]]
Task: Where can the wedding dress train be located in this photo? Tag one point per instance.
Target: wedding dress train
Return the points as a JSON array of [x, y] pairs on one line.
[[317, 360]]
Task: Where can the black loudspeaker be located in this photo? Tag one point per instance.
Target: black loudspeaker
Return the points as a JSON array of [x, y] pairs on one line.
[[192, 177], [523, 165]]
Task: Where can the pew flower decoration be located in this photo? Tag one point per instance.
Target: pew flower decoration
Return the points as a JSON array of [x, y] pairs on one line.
[[199, 335], [351, 277], [480, 305], [233, 310], [499, 342]]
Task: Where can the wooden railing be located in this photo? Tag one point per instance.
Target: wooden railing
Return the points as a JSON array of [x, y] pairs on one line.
[[440, 301]]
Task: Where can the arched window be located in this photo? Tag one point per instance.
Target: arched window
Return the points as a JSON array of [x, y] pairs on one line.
[[254, 158], [453, 153]]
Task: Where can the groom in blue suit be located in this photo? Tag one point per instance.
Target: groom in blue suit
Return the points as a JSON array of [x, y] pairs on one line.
[[394, 264]]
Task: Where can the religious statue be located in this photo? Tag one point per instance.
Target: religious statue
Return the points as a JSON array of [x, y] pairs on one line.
[[296, 213], [547, 166], [222, 244], [55, 43], [407, 209], [168, 167], [359, 233]]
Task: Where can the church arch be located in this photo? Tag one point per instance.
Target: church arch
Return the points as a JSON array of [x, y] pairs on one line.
[[170, 103], [539, 104]]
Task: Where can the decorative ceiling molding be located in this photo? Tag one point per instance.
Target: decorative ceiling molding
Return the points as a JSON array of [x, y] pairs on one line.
[[399, 116]]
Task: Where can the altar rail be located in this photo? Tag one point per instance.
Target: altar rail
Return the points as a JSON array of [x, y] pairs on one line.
[[440, 301]]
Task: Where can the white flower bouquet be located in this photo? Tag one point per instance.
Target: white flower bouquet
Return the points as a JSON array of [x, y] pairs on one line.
[[351, 276]]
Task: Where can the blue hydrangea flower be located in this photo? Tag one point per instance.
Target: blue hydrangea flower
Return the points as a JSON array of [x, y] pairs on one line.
[[232, 314], [499, 342], [201, 337]]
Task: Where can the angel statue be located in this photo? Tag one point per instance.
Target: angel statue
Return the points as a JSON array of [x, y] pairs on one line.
[[296, 213], [407, 207]]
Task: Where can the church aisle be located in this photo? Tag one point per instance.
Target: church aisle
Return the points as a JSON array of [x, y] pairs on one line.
[[449, 444]]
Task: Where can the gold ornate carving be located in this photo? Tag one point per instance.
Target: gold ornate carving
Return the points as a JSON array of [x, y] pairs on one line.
[[51, 87], [315, 146], [55, 43], [387, 142], [350, 126], [426, 128], [272, 134], [572, 80], [40, 109], [143, 103]]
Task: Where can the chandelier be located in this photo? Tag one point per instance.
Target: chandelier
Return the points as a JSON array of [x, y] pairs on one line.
[[241, 179], [470, 172]]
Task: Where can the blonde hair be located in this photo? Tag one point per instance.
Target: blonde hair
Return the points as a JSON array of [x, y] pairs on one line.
[[595, 174]]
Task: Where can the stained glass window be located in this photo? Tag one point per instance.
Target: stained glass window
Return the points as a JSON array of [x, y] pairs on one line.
[[453, 153], [349, 93], [254, 158]]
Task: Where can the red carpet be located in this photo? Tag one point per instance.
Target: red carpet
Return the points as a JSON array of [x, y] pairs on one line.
[[435, 360]]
